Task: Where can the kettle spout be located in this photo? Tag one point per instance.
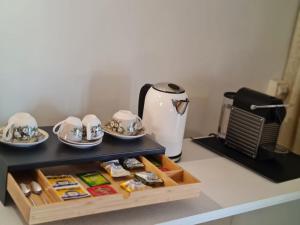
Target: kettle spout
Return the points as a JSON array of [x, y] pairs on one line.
[[180, 105]]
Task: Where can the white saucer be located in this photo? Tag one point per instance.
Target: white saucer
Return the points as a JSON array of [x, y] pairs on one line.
[[81, 145], [25, 144], [124, 137]]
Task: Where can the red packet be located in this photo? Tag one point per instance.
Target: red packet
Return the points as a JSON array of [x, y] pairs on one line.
[[101, 190]]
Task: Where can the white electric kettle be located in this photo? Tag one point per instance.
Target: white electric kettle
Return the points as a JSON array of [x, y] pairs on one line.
[[163, 108]]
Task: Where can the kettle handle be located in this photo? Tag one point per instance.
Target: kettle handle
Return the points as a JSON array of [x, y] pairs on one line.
[[142, 96]]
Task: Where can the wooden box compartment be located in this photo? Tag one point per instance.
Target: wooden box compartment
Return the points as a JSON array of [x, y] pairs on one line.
[[49, 207], [166, 165], [183, 177]]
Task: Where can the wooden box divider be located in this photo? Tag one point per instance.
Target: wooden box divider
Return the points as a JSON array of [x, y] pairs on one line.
[[183, 177], [43, 181]]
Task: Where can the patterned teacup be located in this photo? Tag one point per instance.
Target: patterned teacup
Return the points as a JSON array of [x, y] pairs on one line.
[[126, 123], [69, 129], [92, 127], [21, 126]]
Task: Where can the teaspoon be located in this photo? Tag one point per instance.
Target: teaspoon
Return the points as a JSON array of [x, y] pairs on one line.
[[37, 189], [27, 192]]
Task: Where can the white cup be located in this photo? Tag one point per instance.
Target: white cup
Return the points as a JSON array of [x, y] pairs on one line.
[[69, 129], [21, 126], [126, 123], [92, 127]]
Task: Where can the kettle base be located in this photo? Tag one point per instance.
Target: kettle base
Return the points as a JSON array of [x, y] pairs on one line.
[[175, 158]]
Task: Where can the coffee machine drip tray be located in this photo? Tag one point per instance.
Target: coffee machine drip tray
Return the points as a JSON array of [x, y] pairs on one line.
[[278, 168]]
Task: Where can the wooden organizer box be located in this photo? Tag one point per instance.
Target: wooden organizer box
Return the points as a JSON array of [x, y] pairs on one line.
[[178, 184]]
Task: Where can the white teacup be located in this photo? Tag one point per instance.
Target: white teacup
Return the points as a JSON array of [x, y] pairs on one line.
[[21, 126], [92, 127], [69, 129], [126, 123]]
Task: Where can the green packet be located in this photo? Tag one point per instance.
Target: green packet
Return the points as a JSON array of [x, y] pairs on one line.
[[93, 178]]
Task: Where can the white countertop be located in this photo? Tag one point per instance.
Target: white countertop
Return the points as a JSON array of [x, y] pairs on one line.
[[227, 189]]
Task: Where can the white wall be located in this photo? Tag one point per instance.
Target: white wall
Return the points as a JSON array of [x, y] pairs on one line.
[[62, 57]]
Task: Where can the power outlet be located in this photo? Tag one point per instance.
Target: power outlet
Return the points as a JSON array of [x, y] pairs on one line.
[[278, 88]]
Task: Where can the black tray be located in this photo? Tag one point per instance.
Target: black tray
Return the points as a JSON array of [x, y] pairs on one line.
[[53, 153], [280, 168]]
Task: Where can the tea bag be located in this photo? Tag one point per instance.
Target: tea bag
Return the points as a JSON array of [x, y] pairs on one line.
[[133, 185], [114, 168], [93, 178], [72, 193], [149, 178], [132, 163], [62, 181], [101, 190]]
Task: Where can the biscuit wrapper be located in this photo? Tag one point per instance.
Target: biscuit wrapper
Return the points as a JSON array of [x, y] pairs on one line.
[[115, 169], [149, 178], [133, 185], [132, 163]]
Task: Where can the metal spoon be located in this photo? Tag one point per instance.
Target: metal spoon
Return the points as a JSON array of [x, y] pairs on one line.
[[27, 192], [37, 189]]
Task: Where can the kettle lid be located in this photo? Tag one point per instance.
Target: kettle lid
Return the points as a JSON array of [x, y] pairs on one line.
[[168, 88]]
